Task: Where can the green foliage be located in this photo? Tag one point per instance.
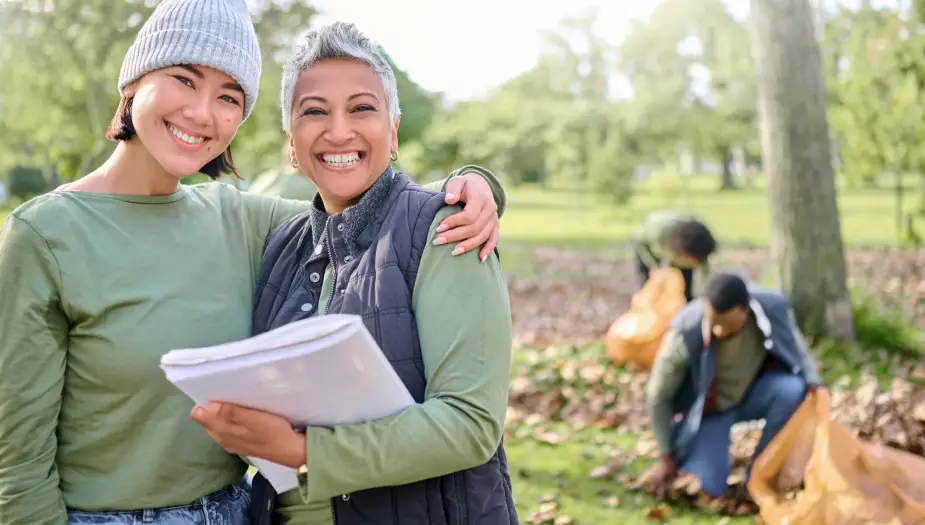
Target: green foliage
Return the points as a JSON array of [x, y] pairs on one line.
[[884, 328], [877, 108], [26, 182]]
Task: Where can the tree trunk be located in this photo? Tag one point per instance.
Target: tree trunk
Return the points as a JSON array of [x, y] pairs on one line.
[[726, 181], [806, 245], [740, 163]]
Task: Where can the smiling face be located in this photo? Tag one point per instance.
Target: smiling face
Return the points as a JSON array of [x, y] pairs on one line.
[[185, 116], [342, 135]]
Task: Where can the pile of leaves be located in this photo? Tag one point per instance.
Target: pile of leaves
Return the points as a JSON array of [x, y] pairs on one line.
[[559, 384], [893, 416]]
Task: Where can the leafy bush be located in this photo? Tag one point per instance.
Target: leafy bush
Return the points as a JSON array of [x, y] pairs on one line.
[[26, 182]]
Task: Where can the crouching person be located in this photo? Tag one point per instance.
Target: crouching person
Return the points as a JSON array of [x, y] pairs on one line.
[[734, 355]]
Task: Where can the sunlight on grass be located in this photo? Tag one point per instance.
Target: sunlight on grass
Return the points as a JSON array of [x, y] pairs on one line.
[[563, 217]]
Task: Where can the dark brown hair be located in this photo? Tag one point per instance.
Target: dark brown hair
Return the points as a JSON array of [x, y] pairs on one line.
[[121, 128], [692, 238]]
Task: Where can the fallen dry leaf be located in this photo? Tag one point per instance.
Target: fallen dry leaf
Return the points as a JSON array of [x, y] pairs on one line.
[[659, 513]]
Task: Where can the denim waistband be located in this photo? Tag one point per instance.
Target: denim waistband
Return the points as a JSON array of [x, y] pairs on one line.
[[226, 506]]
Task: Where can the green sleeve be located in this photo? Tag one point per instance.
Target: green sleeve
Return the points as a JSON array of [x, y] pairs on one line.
[[33, 354], [667, 374], [807, 362], [497, 189], [643, 250], [264, 213], [464, 326], [285, 209]]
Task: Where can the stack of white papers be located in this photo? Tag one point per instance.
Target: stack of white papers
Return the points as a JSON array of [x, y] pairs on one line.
[[321, 371]]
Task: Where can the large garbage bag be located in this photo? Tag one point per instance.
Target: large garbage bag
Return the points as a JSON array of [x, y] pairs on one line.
[[847, 481], [635, 336]]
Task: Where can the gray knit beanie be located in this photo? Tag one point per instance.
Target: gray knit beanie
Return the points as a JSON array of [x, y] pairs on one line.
[[213, 33]]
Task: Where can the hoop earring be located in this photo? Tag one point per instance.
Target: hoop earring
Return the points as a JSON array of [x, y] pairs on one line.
[[394, 156], [294, 162]]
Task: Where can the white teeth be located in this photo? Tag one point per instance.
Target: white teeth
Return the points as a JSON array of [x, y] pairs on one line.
[[184, 137], [341, 160]]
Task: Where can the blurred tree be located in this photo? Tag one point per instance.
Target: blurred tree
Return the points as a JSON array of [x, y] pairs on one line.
[[806, 242], [26, 182]]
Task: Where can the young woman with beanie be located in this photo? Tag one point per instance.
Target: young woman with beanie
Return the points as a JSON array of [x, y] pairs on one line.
[[102, 277]]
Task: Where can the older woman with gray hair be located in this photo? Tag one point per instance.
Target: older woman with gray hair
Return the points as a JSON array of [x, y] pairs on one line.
[[370, 246]]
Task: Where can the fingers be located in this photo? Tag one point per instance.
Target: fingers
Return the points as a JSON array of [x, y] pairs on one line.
[[217, 420], [470, 214], [470, 236], [454, 188], [491, 244], [467, 223], [475, 225]]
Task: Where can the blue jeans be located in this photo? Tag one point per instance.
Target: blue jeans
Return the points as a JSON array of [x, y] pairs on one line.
[[773, 397], [227, 506]]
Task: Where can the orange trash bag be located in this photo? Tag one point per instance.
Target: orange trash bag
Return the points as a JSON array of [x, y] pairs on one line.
[[635, 336], [847, 481]]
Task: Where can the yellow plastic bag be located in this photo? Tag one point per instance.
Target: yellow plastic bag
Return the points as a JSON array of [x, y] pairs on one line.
[[847, 480], [636, 335]]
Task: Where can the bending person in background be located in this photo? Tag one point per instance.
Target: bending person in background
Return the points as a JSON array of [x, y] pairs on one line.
[[284, 181], [735, 355], [443, 322], [103, 276], [676, 240]]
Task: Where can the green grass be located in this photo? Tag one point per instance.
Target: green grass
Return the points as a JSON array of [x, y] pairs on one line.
[[541, 472], [559, 217]]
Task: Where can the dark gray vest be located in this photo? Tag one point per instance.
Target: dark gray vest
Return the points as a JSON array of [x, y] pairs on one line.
[[771, 310], [375, 248]]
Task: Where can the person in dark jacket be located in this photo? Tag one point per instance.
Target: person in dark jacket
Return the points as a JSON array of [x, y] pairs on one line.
[[371, 245], [735, 355], [676, 240]]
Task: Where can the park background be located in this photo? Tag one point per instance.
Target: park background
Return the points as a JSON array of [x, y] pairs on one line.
[[594, 113]]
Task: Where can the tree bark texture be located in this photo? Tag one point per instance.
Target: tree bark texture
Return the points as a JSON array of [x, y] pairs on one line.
[[806, 243]]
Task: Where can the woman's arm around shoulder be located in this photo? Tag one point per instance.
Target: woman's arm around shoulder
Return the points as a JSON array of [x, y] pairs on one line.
[[464, 326], [473, 170], [33, 350], [265, 212]]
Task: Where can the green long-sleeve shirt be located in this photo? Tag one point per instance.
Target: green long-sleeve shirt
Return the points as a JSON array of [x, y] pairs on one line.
[[464, 326], [738, 361], [94, 288]]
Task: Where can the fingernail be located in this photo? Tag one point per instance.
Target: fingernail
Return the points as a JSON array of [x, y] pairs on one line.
[[458, 250], [484, 257], [439, 240], [442, 228], [450, 196]]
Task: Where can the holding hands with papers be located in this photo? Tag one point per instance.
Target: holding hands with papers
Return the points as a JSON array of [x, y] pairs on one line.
[[247, 432]]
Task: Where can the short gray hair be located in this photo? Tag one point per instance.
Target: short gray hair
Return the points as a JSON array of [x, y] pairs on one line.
[[336, 40]]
